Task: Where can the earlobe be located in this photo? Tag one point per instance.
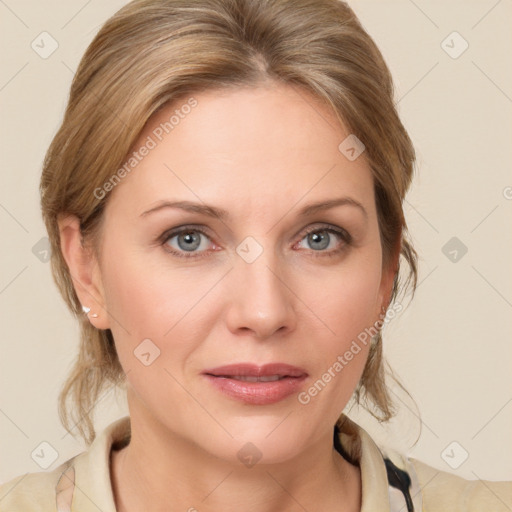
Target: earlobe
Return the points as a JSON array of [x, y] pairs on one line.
[[84, 271]]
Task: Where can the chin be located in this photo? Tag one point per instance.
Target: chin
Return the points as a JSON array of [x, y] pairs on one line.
[[257, 451], [265, 440]]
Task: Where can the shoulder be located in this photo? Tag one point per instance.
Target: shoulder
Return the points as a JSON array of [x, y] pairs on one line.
[[32, 492], [394, 481], [83, 480], [443, 491]]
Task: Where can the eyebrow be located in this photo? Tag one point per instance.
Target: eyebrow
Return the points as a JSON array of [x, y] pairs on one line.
[[221, 214]]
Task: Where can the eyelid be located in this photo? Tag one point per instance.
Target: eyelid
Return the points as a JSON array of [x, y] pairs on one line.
[[171, 233], [317, 226], [312, 228], [327, 227]]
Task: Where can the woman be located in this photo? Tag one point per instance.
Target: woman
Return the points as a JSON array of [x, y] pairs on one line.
[[224, 202]]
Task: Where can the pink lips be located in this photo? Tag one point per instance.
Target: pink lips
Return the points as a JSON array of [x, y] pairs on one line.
[[257, 385]]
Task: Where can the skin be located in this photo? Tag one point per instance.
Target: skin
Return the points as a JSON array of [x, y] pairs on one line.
[[262, 154]]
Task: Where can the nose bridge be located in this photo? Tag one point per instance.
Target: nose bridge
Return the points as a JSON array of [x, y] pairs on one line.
[[262, 302]]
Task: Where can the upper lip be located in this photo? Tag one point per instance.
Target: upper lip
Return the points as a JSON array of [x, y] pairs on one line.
[[253, 370]]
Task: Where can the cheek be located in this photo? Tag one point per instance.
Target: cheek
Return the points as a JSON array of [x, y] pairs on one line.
[[175, 310], [344, 314], [346, 299], [148, 300], [144, 295]]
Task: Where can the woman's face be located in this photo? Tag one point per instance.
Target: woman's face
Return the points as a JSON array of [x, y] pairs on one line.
[[270, 280]]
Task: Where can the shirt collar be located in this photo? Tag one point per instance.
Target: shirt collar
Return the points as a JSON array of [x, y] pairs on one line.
[[364, 451], [93, 487]]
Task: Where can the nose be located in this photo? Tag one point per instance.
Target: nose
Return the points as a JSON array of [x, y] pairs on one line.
[[262, 302]]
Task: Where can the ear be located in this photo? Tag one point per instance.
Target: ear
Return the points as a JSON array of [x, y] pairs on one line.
[[84, 269], [388, 276]]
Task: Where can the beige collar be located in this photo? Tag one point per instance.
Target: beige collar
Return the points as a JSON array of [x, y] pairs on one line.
[[361, 448], [88, 477]]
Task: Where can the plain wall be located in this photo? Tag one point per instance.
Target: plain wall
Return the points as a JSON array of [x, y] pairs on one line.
[[451, 346]]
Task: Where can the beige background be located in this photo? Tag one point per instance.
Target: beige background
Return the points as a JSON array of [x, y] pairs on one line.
[[451, 347]]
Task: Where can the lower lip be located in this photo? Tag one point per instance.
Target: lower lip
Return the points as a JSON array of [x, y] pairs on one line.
[[257, 393]]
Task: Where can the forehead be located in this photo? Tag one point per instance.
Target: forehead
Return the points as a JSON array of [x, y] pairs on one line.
[[251, 147]]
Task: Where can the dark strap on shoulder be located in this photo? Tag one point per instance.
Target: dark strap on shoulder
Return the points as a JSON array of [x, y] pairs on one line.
[[397, 477], [401, 480]]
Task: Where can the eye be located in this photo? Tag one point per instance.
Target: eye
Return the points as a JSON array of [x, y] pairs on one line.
[[326, 237], [193, 242], [187, 242]]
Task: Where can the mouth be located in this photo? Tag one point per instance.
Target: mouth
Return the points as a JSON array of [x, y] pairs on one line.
[[273, 370], [250, 378], [257, 385]]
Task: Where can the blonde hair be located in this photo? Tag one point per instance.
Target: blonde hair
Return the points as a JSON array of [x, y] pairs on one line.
[[153, 52]]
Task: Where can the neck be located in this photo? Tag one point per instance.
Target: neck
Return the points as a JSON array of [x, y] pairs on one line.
[[176, 473]]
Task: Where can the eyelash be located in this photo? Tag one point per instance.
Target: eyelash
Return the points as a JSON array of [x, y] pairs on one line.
[[344, 235]]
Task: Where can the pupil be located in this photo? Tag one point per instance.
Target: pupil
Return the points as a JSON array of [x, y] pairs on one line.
[[319, 241], [191, 241]]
